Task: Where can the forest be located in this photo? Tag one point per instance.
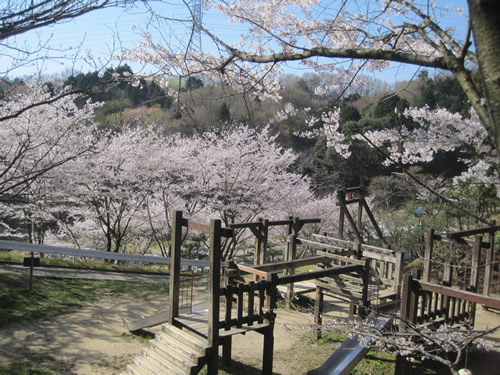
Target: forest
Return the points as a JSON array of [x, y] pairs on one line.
[[105, 169]]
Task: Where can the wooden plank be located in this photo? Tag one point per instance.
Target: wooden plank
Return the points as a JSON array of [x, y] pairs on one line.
[[284, 265], [319, 245], [317, 274], [342, 258], [332, 240], [377, 249], [378, 256]]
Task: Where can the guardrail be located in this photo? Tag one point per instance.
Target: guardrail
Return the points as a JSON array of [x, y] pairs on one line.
[[90, 253]]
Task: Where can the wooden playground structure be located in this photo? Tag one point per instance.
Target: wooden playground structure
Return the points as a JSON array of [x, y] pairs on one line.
[[243, 297]]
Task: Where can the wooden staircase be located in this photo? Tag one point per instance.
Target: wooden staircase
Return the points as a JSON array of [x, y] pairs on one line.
[[173, 351]]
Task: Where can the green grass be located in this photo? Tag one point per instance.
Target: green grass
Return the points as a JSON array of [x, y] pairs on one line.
[[51, 297], [28, 371]]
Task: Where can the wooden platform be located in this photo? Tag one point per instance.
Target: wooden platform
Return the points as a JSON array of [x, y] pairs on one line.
[[198, 322]]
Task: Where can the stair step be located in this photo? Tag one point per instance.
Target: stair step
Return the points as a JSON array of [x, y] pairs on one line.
[[136, 370], [173, 351], [166, 365], [148, 366], [186, 339]]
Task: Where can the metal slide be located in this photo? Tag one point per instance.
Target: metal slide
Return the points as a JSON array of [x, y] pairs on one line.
[[347, 356]]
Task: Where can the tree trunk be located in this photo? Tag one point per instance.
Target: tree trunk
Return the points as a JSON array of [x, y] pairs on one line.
[[485, 17]]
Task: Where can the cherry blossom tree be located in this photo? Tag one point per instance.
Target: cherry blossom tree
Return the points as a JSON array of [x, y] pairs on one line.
[[236, 176], [112, 185], [41, 139], [343, 37]]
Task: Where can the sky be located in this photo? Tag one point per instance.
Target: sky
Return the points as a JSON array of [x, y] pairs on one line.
[[96, 36]]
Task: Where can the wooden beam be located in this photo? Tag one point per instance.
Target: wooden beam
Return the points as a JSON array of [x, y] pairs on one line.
[[224, 232], [373, 221], [473, 232], [287, 279], [252, 270], [245, 225]]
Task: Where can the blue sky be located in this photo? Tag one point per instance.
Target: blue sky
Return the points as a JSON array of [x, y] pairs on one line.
[[96, 33]]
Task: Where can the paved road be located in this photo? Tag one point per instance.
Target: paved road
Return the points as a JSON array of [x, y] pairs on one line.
[[83, 274]]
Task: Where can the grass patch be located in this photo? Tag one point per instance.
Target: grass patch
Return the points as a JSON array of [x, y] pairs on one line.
[[52, 296], [29, 371]]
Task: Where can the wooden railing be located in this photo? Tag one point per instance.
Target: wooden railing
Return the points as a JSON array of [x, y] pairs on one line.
[[387, 264], [253, 302], [423, 302]]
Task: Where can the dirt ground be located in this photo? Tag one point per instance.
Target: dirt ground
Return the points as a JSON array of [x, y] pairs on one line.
[[93, 340]]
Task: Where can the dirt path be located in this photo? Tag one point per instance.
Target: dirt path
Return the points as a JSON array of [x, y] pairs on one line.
[[93, 340]]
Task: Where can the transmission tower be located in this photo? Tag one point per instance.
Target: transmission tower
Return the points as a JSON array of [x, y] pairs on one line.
[[197, 9]]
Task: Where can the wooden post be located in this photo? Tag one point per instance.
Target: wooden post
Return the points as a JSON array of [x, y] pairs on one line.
[[267, 357], [363, 311], [268, 350], [292, 248], [261, 242], [488, 270], [476, 254], [429, 245], [226, 350], [32, 264], [341, 199], [175, 267], [318, 311], [398, 272], [447, 281], [213, 292], [408, 315], [360, 217]]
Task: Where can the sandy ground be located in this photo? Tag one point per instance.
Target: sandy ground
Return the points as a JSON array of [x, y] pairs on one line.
[[93, 340]]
